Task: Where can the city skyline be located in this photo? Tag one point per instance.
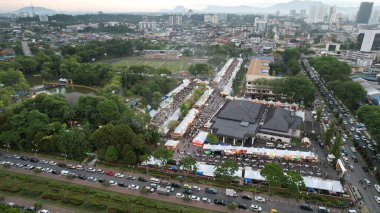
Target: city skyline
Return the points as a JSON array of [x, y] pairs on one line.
[[147, 5]]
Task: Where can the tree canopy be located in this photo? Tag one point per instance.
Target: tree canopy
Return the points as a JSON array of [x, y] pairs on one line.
[[330, 68], [351, 93]]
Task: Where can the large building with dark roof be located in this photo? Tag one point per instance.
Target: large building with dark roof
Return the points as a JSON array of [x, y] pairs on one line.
[[240, 122]]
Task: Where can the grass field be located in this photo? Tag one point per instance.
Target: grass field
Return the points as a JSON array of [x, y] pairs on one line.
[[173, 65], [83, 198]]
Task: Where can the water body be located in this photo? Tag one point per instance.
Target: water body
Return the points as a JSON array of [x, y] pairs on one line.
[[71, 93]]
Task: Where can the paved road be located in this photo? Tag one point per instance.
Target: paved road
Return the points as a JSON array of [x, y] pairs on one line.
[[282, 204], [26, 49], [353, 177]]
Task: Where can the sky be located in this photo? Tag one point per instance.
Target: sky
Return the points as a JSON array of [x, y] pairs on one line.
[[146, 5]]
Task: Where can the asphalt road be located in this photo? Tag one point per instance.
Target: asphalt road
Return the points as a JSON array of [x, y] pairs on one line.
[[352, 177], [281, 204]]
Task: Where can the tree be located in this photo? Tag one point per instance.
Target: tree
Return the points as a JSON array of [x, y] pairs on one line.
[[217, 60], [295, 181], [328, 135], [128, 155], [227, 169], [212, 139], [111, 154], [73, 143], [163, 154], [156, 99], [319, 113], [274, 175], [351, 93], [173, 124], [200, 69], [336, 151], [370, 116], [187, 164], [330, 68]]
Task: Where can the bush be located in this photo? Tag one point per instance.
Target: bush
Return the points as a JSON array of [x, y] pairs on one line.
[[11, 187], [35, 170], [95, 204], [232, 205], [118, 209], [37, 205], [51, 196], [74, 200], [29, 191], [102, 195]]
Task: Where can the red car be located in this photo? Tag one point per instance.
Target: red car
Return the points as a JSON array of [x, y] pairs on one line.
[[109, 173]]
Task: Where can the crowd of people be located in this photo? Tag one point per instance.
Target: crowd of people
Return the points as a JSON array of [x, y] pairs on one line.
[[213, 104], [163, 114]]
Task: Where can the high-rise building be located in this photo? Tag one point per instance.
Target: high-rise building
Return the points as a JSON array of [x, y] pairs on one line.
[[175, 20], [368, 40], [293, 13], [364, 13], [147, 25], [213, 19], [303, 14], [260, 25], [277, 13], [332, 15], [375, 18], [43, 18], [317, 14]]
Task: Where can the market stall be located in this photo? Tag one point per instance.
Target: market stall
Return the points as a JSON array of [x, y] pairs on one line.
[[200, 138], [181, 129], [171, 144]]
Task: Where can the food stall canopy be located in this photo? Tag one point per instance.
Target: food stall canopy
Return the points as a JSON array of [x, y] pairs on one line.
[[202, 100], [220, 74], [171, 144], [200, 138], [182, 127]]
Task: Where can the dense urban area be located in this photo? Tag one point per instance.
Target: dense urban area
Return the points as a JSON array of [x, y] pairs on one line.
[[226, 109]]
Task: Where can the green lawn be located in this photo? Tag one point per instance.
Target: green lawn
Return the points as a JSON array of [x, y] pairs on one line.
[[173, 65]]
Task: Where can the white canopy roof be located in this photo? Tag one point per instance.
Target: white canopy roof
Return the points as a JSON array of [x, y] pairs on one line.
[[201, 136], [171, 143], [262, 151], [208, 170], [325, 184], [182, 127], [202, 100], [220, 74]]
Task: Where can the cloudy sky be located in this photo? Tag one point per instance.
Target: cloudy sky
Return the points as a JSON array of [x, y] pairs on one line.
[[146, 5]]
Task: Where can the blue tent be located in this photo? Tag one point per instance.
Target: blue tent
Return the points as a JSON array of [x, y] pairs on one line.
[[200, 173], [173, 168], [247, 180]]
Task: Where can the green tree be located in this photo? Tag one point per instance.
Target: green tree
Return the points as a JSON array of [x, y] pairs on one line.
[[187, 164], [72, 142], [351, 93], [274, 175], [370, 116], [156, 99], [295, 181], [200, 69], [128, 155], [212, 138], [319, 113], [163, 154], [227, 169], [336, 151], [111, 154]]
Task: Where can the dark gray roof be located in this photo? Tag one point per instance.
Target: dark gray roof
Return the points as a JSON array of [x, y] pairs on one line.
[[240, 111], [281, 120], [233, 129], [237, 119]]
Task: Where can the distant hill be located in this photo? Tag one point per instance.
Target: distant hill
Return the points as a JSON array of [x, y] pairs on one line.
[[37, 10], [177, 9]]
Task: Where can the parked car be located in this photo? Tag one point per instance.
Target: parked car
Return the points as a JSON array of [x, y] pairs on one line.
[[142, 179], [109, 173], [220, 202], [246, 197], [260, 199], [306, 207], [323, 209]]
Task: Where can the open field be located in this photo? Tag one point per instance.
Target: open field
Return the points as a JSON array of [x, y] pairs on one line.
[[174, 65]]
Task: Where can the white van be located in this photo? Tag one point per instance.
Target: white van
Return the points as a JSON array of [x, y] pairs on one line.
[[64, 172], [155, 180], [269, 145]]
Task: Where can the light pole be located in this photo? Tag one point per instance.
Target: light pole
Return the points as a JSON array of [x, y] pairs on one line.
[[65, 156], [35, 152]]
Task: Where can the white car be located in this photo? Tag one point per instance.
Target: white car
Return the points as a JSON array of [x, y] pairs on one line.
[[206, 200], [119, 175], [377, 187], [112, 183], [196, 188], [43, 211], [48, 170], [44, 161], [255, 208], [260, 199], [170, 188], [367, 182], [195, 198], [79, 167], [133, 186], [179, 195], [90, 169], [353, 149], [345, 159], [53, 163], [93, 179], [100, 171], [377, 199], [130, 177]]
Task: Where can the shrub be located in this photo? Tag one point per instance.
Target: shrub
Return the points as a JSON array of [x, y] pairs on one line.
[[102, 195], [51, 196], [232, 205], [29, 191], [95, 204], [37, 205], [74, 200], [35, 170], [118, 209], [11, 187]]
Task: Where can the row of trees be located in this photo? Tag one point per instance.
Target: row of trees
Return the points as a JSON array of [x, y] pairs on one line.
[[297, 88], [370, 116], [12, 83], [351, 93]]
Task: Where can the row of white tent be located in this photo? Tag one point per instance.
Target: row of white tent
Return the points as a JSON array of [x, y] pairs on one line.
[[227, 89], [221, 73], [250, 174], [202, 100], [189, 118], [261, 151]]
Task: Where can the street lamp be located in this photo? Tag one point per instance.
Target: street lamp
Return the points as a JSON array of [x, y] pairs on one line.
[[65, 156], [35, 152]]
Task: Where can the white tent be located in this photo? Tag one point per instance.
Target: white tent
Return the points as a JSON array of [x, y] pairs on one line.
[[172, 144], [324, 184], [200, 138], [182, 127]]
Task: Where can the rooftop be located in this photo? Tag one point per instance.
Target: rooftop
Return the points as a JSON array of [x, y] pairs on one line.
[[259, 68]]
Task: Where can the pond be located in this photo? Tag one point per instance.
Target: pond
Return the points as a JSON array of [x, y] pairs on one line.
[[72, 93]]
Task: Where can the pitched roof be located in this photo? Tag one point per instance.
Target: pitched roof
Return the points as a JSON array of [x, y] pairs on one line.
[[279, 119], [240, 111]]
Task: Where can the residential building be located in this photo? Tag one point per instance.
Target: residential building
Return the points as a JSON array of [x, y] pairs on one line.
[[259, 69], [147, 25], [175, 20], [332, 47], [332, 15], [317, 14], [260, 25], [277, 13], [368, 40], [213, 19], [43, 18], [293, 13], [303, 14], [375, 18], [364, 13]]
